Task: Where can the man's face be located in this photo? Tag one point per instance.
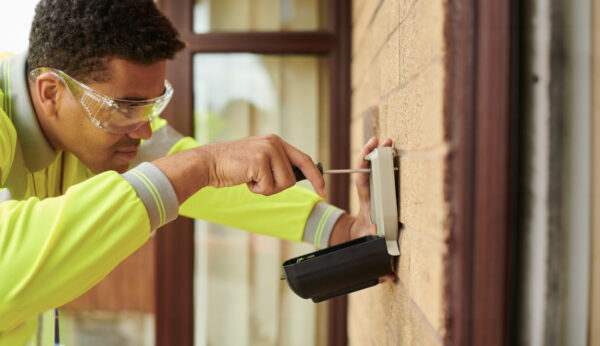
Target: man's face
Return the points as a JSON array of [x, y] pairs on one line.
[[97, 149]]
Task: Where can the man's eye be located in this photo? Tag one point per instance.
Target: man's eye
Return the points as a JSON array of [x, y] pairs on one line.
[[126, 112]]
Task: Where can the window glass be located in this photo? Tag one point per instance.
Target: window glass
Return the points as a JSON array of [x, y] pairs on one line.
[[239, 297], [260, 15]]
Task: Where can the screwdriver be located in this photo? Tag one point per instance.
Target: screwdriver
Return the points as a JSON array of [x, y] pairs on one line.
[[300, 176]]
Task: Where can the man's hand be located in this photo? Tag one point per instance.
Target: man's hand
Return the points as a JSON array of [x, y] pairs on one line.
[[263, 163], [349, 227]]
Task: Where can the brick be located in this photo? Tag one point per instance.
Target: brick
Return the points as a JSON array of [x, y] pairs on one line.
[[371, 34], [356, 131], [367, 94], [399, 10], [389, 65], [385, 315], [395, 12], [366, 47], [394, 15], [356, 144], [423, 207], [414, 117], [362, 13], [364, 9], [421, 272], [391, 12], [409, 328], [357, 9], [370, 119], [417, 106], [362, 22], [363, 58], [356, 138], [421, 38]]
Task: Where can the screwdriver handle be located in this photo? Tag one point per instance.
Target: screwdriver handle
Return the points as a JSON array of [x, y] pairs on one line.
[[300, 176]]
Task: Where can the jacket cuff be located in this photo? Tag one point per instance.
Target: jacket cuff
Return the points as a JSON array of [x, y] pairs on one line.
[[320, 224], [156, 192]]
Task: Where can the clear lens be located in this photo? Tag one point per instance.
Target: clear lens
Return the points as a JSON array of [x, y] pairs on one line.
[[113, 115]]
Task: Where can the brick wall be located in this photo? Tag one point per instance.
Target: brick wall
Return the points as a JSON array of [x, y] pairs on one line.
[[398, 82]]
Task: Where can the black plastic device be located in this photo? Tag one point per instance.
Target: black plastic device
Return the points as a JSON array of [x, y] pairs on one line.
[[338, 270]]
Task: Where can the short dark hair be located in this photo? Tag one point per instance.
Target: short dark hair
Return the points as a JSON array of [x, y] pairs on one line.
[[79, 37]]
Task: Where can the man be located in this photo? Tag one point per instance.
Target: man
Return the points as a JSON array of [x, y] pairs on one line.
[[88, 170]]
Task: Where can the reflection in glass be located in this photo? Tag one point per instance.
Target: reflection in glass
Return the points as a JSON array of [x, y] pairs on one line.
[[238, 295], [260, 15]]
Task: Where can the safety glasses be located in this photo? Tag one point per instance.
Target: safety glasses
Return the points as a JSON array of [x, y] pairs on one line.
[[112, 115]]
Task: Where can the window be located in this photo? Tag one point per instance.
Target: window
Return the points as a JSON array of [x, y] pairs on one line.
[[265, 37], [264, 15], [239, 297]]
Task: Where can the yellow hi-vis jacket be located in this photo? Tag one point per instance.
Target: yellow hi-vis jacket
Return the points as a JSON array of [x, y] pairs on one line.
[[62, 228]]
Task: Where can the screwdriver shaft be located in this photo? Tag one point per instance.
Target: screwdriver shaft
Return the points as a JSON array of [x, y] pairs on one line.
[[300, 176], [345, 171]]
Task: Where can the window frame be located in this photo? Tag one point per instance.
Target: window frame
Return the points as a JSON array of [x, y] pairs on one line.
[[174, 248], [482, 106]]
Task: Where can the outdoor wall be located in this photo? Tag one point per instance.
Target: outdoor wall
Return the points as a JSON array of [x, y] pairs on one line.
[[398, 84]]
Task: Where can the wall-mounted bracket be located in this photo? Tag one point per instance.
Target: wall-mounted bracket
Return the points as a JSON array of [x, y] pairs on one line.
[[384, 210]]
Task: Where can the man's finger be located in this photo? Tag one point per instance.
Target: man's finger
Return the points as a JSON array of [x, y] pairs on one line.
[[366, 149], [282, 169], [263, 183], [389, 277], [362, 179], [308, 168]]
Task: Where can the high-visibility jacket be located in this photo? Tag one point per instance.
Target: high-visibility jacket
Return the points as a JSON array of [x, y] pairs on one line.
[[62, 228]]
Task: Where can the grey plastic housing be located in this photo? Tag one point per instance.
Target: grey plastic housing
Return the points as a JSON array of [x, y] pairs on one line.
[[384, 209]]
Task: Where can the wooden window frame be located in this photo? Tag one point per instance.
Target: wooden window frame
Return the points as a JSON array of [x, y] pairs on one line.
[[482, 107], [174, 260]]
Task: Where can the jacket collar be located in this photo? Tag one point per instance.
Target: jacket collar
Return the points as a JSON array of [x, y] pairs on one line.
[[37, 152]]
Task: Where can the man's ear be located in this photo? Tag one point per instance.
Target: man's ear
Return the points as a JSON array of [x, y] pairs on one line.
[[47, 86]]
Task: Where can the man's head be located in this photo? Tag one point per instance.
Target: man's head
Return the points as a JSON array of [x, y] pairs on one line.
[[80, 36], [116, 47]]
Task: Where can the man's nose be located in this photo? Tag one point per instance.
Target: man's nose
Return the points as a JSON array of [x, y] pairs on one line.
[[143, 132]]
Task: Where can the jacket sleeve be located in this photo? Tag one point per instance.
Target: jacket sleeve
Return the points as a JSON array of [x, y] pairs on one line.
[[55, 249], [296, 214]]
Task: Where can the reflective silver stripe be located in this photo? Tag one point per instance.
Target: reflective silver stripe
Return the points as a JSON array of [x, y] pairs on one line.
[[158, 146], [320, 224], [156, 192], [5, 195]]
